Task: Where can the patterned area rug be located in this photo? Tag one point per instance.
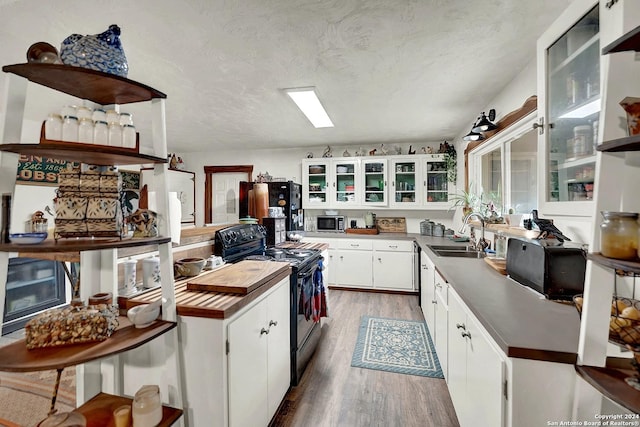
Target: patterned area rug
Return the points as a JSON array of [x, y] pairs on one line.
[[25, 398], [402, 346]]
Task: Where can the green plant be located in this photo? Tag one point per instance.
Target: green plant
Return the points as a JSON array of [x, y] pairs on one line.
[[451, 161], [465, 199]]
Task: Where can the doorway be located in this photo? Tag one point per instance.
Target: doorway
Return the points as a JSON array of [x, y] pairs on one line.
[[221, 188]]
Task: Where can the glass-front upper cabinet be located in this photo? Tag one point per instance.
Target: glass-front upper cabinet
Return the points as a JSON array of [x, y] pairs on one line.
[[345, 178], [405, 182], [569, 108], [315, 177], [436, 185], [374, 182]]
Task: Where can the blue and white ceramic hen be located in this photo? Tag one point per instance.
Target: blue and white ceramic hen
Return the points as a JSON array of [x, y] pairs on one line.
[[101, 52]]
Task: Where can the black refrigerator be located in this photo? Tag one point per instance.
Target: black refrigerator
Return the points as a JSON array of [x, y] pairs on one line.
[[286, 194]]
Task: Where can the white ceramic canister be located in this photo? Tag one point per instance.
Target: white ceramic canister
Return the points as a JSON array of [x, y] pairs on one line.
[[113, 116], [101, 133], [129, 279], [85, 131], [146, 409], [84, 113], [70, 128], [151, 272], [99, 115], [115, 134], [126, 119], [128, 136], [53, 127]]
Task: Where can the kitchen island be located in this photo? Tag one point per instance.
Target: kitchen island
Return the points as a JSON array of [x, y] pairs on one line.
[[234, 346]]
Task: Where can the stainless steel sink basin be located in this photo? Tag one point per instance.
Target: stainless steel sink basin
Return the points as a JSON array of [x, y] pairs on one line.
[[448, 247], [460, 254], [456, 251]]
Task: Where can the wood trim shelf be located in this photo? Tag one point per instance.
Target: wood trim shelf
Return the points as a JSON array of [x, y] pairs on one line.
[[629, 143], [99, 411], [84, 153], [15, 357], [618, 264], [610, 382], [629, 41], [83, 244], [83, 83]]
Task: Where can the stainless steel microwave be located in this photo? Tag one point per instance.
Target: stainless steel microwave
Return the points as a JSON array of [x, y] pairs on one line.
[[333, 223]]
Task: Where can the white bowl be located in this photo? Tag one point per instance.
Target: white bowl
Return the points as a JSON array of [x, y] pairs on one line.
[[143, 315]]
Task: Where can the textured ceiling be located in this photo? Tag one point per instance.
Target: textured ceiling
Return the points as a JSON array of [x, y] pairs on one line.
[[386, 71]]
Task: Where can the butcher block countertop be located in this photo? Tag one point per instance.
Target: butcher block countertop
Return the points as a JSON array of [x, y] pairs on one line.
[[221, 305]]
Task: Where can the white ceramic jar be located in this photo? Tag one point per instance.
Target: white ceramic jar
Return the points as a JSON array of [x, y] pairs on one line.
[[85, 131], [99, 115], [101, 133], [147, 407], [53, 127], [84, 113], [128, 136], [126, 119], [115, 134], [70, 129]]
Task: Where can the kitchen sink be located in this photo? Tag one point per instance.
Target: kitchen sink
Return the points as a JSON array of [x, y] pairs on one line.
[[460, 254], [456, 251]]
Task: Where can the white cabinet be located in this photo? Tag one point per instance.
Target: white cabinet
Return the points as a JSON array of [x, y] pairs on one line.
[[236, 373], [352, 263], [401, 182], [374, 175], [475, 367], [394, 265], [259, 360], [331, 183], [440, 331], [427, 294], [569, 64]]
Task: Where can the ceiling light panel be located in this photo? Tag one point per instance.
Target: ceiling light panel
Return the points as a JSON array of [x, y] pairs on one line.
[[308, 102]]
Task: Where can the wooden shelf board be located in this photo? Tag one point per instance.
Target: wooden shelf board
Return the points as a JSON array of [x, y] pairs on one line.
[[610, 382], [15, 357], [99, 411], [81, 244], [627, 266], [630, 143], [629, 41], [99, 87], [84, 153]]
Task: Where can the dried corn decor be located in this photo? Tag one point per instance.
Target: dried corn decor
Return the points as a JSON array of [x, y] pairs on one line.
[[88, 203]]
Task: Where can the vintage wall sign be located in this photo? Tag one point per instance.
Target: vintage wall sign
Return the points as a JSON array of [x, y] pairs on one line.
[[39, 170]]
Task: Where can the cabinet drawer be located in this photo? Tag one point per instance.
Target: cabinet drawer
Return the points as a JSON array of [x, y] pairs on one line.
[[393, 245], [360, 244]]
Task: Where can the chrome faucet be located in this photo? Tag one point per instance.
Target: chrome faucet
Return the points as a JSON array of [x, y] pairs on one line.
[[482, 244]]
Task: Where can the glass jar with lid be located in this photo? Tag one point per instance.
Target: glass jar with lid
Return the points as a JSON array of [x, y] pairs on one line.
[[70, 128], [101, 133], [115, 134], [85, 131], [53, 127], [147, 407], [128, 136], [619, 235]]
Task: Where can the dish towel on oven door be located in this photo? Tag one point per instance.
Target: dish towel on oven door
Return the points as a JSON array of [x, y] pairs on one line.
[[313, 298]]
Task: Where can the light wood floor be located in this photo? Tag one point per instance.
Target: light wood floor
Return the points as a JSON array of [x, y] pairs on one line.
[[333, 393]]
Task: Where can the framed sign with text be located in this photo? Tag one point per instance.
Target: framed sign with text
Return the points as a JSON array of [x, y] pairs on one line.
[[39, 170]]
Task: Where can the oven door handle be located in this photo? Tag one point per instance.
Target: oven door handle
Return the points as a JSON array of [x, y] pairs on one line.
[[307, 274]]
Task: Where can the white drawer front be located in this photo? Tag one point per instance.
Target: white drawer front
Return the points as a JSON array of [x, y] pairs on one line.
[[393, 245], [361, 244]]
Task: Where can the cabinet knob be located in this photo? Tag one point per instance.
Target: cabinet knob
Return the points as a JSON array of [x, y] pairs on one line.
[[434, 301], [439, 285], [466, 335], [379, 259], [539, 126], [264, 331], [461, 326], [393, 246], [273, 323], [425, 267]]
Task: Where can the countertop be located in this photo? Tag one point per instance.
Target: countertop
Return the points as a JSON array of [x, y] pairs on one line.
[[521, 322], [212, 305]]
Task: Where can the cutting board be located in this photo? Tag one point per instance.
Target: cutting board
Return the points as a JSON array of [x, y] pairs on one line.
[[361, 230], [239, 278], [499, 264], [392, 225]]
